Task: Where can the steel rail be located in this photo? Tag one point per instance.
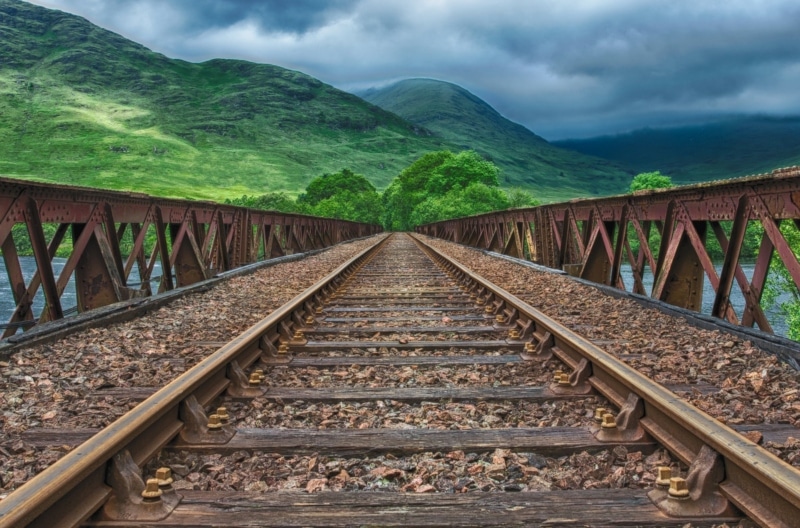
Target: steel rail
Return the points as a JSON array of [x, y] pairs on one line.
[[69, 491], [766, 488]]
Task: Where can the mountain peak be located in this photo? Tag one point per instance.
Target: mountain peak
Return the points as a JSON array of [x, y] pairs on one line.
[[527, 160]]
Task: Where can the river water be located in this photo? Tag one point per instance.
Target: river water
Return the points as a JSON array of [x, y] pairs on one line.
[[775, 318], [68, 299]]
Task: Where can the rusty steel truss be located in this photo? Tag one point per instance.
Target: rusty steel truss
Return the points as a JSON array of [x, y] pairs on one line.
[[191, 240], [667, 232]]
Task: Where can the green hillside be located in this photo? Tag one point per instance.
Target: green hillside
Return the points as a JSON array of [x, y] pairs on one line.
[[723, 149], [526, 160], [82, 105]]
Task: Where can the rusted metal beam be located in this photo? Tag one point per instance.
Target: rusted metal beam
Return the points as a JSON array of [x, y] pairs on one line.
[[192, 240], [597, 238]]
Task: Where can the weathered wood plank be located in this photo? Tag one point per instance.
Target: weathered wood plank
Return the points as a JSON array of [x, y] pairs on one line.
[[57, 437], [330, 309], [547, 441], [415, 394], [478, 359], [611, 508], [394, 329], [778, 433], [318, 346], [389, 297], [410, 394], [391, 319]]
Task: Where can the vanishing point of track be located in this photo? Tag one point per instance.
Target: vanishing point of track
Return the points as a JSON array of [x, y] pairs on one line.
[[401, 305]]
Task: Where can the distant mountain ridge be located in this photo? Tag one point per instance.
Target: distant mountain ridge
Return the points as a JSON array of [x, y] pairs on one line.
[[526, 160], [728, 148], [82, 105]]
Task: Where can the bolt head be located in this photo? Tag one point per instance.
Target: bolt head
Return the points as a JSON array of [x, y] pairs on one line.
[[664, 475], [152, 492], [564, 379], [598, 414], [214, 423], [164, 477], [678, 488], [609, 422]]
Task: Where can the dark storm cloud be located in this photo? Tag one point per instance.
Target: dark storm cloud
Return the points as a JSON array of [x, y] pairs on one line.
[[561, 68], [294, 16]]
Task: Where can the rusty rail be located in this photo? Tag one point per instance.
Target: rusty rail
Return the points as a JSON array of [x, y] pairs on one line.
[[191, 240], [724, 465], [592, 239], [69, 491], [725, 468]]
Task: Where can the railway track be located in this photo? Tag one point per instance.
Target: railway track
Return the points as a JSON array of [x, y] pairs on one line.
[[404, 373]]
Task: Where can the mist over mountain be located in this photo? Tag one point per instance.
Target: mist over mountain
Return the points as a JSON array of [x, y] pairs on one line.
[[728, 148]]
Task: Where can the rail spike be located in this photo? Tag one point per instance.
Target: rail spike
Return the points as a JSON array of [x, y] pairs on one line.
[[577, 382], [542, 350], [698, 495], [270, 355], [198, 428], [625, 427], [127, 502], [241, 385]]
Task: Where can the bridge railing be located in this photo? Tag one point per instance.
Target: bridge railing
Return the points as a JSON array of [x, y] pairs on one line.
[[106, 235], [672, 236]]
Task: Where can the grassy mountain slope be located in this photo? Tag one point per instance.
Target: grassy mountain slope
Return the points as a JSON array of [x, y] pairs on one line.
[[526, 160], [82, 105], [724, 149]]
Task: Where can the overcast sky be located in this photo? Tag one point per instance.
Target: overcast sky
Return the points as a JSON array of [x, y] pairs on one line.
[[563, 68]]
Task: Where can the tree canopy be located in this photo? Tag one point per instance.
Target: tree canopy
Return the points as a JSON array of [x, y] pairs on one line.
[[435, 187], [329, 185], [344, 195], [650, 180], [273, 201]]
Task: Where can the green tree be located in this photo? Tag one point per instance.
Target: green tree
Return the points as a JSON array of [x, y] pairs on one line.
[[476, 198], [273, 201], [359, 207], [780, 290], [518, 197], [431, 178], [461, 170], [329, 185], [345, 195], [407, 190], [650, 180]]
